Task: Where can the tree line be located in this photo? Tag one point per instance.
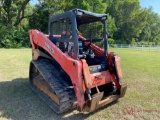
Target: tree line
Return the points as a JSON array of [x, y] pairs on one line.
[[128, 22]]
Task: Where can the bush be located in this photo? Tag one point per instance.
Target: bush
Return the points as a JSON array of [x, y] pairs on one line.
[[13, 37], [133, 42], [111, 41]]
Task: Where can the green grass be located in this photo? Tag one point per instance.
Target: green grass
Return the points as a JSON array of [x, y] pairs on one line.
[[141, 70]]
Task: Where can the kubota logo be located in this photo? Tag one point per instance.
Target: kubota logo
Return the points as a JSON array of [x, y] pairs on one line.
[[49, 47]]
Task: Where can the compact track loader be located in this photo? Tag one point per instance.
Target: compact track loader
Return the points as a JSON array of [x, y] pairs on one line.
[[71, 66]]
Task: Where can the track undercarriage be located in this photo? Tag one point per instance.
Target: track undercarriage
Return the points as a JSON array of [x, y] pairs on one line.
[[51, 86]]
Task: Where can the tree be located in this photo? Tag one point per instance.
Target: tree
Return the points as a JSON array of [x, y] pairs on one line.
[[14, 16], [40, 19], [111, 26], [151, 31], [129, 19], [14, 11], [47, 8], [1, 5]]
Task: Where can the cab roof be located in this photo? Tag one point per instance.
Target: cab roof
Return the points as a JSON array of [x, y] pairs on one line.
[[83, 16]]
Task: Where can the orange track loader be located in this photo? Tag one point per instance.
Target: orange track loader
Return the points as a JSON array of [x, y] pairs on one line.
[[71, 66]]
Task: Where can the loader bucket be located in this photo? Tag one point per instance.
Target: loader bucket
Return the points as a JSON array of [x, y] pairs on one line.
[[97, 101]]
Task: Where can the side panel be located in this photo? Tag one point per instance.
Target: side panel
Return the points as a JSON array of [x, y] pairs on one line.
[[114, 68], [72, 67]]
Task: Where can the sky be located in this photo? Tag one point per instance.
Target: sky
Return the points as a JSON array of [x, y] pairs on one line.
[[154, 3], [144, 3], [33, 2]]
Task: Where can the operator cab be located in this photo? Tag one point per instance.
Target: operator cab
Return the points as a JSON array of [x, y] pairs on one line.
[[81, 35], [92, 34]]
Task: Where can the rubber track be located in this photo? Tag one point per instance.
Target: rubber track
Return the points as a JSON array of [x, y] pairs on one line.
[[56, 81]]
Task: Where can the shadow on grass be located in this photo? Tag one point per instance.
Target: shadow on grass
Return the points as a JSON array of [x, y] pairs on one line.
[[18, 101]]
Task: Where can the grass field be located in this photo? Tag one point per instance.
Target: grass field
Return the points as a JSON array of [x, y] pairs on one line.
[[141, 70]]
